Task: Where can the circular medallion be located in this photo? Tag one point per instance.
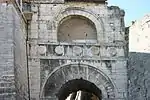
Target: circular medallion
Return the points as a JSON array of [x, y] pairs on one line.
[[42, 49], [95, 50], [77, 50], [112, 51], [59, 50]]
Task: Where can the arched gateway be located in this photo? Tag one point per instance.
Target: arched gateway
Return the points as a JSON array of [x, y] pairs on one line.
[[80, 49], [70, 78]]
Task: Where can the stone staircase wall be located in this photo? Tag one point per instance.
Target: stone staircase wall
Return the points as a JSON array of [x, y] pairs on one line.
[[13, 74], [139, 76], [7, 87]]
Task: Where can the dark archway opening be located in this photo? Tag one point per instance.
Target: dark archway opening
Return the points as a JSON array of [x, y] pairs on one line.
[[88, 90]]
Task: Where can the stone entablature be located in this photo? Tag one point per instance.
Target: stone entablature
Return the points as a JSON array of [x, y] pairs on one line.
[[80, 51], [64, 1]]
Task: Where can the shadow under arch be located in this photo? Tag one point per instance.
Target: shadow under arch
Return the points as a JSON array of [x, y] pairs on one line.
[[56, 79], [77, 85]]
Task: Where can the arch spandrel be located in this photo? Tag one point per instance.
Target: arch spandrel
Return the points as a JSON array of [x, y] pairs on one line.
[[63, 74]]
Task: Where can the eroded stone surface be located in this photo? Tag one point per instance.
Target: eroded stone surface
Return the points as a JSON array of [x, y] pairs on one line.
[[106, 53], [13, 79], [102, 61], [139, 59]]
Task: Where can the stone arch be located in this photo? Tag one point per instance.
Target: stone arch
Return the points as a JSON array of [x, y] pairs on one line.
[[76, 28], [71, 11], [64, 73]]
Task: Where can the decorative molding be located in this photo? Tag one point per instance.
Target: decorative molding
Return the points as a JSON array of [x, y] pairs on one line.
[[101, 80]]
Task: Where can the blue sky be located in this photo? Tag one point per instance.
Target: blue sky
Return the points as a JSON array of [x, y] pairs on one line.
[[134, 9]]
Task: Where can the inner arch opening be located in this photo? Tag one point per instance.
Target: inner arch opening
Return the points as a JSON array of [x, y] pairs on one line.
[[77, 28], [79, 89]]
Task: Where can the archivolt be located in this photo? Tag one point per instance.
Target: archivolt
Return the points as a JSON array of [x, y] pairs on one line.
[[64, 73], [71, 11]]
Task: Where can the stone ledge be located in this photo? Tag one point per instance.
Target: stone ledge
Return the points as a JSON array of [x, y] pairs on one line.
[[81, 58]]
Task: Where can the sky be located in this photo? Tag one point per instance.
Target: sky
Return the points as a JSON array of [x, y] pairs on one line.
[[134, 9]]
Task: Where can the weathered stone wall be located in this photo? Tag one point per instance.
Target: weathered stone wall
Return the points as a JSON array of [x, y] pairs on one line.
[[20, 68], [7, 86], [47, 56], [109, 21], [13, 54], [139, 60], [139, 76]]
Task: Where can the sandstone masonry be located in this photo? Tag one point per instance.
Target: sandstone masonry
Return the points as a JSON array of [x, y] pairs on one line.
[[101, 59], [47, 43], [13, 79]]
